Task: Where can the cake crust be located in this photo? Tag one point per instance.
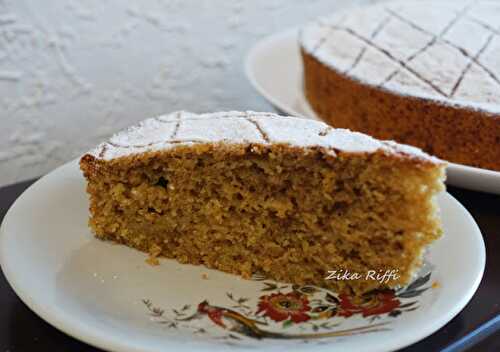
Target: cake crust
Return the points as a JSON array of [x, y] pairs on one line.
[[183, 128]]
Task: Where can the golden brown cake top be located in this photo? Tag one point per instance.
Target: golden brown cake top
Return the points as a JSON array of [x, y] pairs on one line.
[[442, 50], [184, 128]]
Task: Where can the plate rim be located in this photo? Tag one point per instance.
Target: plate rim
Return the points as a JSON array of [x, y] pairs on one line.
[[99, 339], [291, 34]]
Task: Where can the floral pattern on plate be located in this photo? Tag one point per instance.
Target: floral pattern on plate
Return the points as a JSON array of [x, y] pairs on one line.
[[316, 312]]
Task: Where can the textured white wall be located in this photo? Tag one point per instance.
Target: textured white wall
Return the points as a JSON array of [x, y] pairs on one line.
[[73, 72]]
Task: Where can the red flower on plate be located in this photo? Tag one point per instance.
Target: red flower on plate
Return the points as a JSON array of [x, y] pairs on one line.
[[375, 303], [280, 307]]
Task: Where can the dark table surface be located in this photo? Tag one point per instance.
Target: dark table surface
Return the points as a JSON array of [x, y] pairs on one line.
[[476, 328]]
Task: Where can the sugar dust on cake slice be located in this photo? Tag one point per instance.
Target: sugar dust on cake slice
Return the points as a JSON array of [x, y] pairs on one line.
[[247, 192]]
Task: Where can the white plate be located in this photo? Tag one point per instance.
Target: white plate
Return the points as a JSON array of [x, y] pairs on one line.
[[274, 68], [107, 296]]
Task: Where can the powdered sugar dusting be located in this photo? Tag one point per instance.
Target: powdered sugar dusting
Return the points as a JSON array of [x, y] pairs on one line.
[[445, 51], [150, 131], [183, 129]]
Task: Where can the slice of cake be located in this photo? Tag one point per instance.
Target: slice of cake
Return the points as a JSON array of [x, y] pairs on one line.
[[245, 192], [425, 73]]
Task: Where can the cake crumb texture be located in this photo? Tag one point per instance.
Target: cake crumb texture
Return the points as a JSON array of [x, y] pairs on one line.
[[287, 210]]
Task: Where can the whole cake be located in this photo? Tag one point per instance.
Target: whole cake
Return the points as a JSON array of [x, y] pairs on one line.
[[245, 192], [425, 73]]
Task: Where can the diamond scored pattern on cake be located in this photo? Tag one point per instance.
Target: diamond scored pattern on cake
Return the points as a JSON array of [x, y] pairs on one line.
[[364, 48], [428, 59], [148, 132], [344, 53], [236, 130], [403, 47], [458, 37], [403, 43], [453, 36], [234, 127]]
